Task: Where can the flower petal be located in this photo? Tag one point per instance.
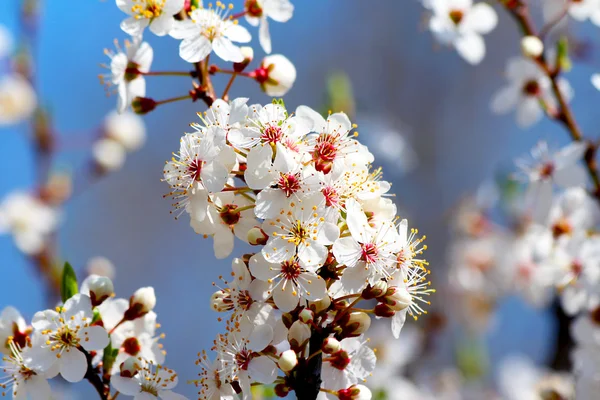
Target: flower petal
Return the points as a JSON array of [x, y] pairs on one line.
[[73, 365]]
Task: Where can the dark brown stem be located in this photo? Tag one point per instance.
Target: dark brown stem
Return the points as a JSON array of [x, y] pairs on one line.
[[306, 378], [93, 377]]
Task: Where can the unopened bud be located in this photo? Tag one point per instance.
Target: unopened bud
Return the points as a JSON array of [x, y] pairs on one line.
[[331, 345], [355, 392], [397, 298], [109, 155], [143, 105], [532, 46], [298, 333], [99, 288], [383, 310], [142, 302], [248, 54], [256, 236], [220, 301], [320, 305], [129, 367], [355, 324], [377, 290], [282, 390], [276, 75], [306, 316], [287, 360]]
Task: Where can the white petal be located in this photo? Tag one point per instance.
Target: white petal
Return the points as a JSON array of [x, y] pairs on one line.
[[259, 172], [262, 369], [398, 322], [184, 29], [264, 37], [134, 27], [162, 25], [227, 50], [169, 395], [261, 268], [528, 112], [238, 33], [505, 99], [471, 47], [284, 296], [312, 254], [261, 337], [93, 338], [38, 388], [195, 49], [127, 386], [481, 18], [279, 10], [73, 365], [145, 396], [214, 175]]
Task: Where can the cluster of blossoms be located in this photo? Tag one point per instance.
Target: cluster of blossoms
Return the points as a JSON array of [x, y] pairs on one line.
[[301, 188], [91, 335]]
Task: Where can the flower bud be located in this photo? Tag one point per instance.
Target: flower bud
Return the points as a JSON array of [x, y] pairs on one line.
[[355, 392], [377, 290], [276, 75], [248, 54], [143, 105], [127, 128], [142, 302], [532, 46], [256, 236], [397, 298], [220, 301], [331, 345], [383, 310], [320, 305], [287, 360], [99, 288], [355, 323], [129, 367], [282, 390], [298, 333], [108, 155], [306, 316]]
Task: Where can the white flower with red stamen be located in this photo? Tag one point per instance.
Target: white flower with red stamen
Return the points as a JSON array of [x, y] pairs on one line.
[[225, 116], [332, 146], [369, 254], [528, 87], [64, 332], [258, 12], [228, 215], [29, 220], [410, 248], [243, 297], [13, 325], [126, 71], [210, 29], [573, 210], [288, 281], [352, 364], [157, 14], [21, 377], [270, 125], [301, 231], [238, 353], [212, 384], [461, 24], [281, 180], [18, 100], [545, 168], [276, 75], [151, 381]]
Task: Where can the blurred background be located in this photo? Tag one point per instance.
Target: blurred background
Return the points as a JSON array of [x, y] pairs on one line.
[[422, 110]]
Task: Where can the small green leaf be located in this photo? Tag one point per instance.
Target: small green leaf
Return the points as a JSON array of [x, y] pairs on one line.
[[110, 355], [562, 54], [96, 316], [68, 286]]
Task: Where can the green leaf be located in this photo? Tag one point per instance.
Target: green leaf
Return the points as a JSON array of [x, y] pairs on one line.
[[110, 355], [562, 54], [68, 287]]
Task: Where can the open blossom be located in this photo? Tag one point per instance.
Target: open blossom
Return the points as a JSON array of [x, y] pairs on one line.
[[126, 71], [212, 384], [460, 23], [582, 10], [276, 75], [28, 219], [527, 87], [301, 231], [544, 168], [157, 14], [350, 365], [210, 29], [13, 325], [259, 11], [573, 210], [65, 331], [289, 282], [151, 381], [17, 99]]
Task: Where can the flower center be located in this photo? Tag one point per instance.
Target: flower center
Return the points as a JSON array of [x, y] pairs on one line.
[[131, 346], [65, 337], [271, 134], [531, 88], [299, 233], [369, 252], [195, 168], [576, 268], [289, 183], [242, 359], [331, 196], [325, 148], [561, 227], [546, 170], [244, 300], [148, 9], [132, 71], [290, 270], [150, 388], [456, 16], [339, 360], [229, 215], [253, 8], [20, 338]]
